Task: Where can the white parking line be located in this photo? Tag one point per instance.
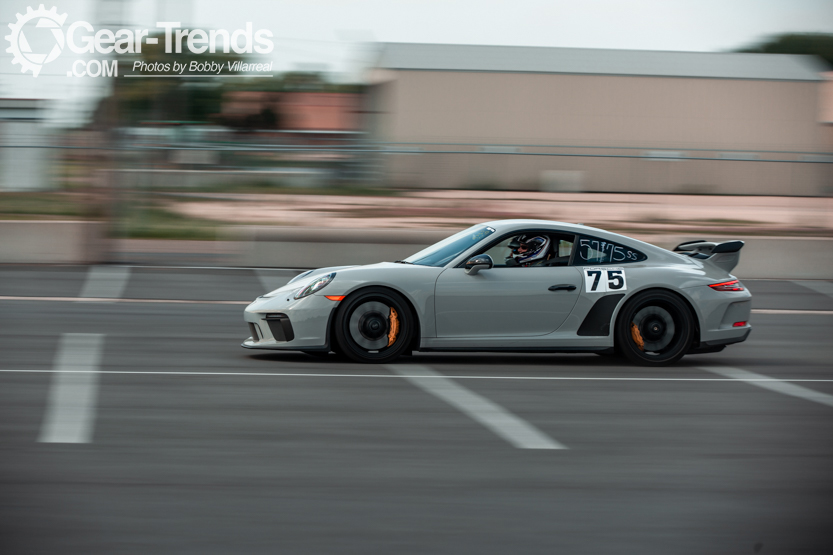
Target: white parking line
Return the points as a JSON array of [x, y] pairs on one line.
[[519, 433], [792, 311], [70, 410], [823, 287], [396, 377], [268, 285], [105, 299], [779, 386], [294, 271], [106, 282]]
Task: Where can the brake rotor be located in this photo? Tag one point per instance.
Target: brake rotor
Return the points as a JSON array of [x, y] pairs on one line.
[[369, 325], [655, 327]]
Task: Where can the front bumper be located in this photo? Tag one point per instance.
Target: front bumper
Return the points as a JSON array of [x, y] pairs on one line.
[[284, 323]]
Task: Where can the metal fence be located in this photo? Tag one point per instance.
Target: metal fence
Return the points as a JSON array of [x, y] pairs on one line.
[[296, 160]]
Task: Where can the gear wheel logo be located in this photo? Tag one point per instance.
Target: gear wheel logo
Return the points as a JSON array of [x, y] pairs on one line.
[[20, 48]]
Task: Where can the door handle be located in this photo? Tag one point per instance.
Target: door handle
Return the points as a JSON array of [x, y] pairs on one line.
[[564, 287]]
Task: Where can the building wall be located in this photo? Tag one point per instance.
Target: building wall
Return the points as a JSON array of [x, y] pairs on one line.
[[634, 115], [320, 111], [298, 110]]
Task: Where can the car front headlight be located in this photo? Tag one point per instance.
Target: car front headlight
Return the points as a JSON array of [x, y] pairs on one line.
[[315, 286]]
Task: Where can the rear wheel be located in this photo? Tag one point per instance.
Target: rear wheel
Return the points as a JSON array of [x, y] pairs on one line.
[[655, 328], [374, 325]]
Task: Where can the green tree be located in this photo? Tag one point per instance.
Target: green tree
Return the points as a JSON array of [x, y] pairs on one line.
[[189, 99], [820, 44], [196, 98]]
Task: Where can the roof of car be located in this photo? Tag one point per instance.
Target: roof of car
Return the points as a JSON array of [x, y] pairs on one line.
[[503, 226], [508, 225]]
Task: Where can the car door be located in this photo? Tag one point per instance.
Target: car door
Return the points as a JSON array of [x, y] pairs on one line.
[[505, 301]]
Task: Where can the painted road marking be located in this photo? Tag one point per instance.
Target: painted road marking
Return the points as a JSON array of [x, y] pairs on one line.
[[519, 433], [823, 287], [779, 386], [107, 282], [270, 281], [243, 303], [791, 311], [389, 376], [70, 410], [294, 271]]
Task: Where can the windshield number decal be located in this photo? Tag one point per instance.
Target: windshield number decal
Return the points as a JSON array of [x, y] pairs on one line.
[[604, 280]]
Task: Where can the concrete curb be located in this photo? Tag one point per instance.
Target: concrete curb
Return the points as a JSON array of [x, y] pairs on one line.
[[313, 248], [337, 235], [50, 242], [761, 257], [769, 257], [62, 242]]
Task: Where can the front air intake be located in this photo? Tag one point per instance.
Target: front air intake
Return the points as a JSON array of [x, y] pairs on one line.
[[280, 327]]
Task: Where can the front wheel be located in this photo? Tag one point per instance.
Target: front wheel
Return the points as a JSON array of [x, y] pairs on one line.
[[655, 328], [374, 325]]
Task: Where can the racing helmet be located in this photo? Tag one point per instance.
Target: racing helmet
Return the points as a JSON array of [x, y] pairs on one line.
[[526, 250]]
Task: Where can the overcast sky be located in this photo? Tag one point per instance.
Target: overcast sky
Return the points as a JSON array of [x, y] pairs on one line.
[[333, 34]]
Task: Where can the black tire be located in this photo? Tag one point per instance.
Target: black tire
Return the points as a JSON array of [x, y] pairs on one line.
[[363, 323], [665, 327]]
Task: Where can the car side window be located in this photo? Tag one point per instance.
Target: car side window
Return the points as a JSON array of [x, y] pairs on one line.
[[592, 250], [498, 252], [507, 254]]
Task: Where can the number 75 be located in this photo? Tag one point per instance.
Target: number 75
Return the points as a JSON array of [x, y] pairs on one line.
[[613, 280]]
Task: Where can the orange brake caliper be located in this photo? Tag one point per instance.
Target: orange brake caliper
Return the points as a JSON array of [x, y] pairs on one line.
[[637, 337], [394, 327]]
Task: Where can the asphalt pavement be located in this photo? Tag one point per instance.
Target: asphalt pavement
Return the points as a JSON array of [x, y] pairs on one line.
[[131, 421]]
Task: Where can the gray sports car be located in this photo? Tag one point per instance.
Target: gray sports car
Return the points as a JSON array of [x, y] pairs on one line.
[[516, 285]]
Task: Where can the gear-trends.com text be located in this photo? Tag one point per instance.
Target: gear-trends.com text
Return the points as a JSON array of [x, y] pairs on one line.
[[40, 36]]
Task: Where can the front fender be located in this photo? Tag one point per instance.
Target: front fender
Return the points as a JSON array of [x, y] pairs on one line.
[[415, 283]]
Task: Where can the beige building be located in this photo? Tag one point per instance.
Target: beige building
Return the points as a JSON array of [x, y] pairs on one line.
[[601, 120]]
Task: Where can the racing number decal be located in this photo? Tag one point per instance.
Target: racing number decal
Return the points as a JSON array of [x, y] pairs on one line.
[[615, 280], [602, 280]]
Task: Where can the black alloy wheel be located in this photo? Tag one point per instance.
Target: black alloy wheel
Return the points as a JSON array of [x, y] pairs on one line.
[[654, 328], [374, 325]]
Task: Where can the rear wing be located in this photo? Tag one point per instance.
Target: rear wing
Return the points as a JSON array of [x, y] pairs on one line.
[[723, 255]]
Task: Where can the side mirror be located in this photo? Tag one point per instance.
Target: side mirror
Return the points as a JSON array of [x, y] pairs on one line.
[[479, 262]]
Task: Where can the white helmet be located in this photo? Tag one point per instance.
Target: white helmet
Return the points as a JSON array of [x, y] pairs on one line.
[[526, 250]]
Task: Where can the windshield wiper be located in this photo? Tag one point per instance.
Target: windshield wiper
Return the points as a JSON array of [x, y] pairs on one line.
[[403, 262]]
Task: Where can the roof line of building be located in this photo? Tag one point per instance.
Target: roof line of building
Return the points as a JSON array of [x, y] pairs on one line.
[[525, 72], [597, 61]]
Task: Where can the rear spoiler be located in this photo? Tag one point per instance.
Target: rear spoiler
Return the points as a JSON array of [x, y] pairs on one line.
[[723, 255]]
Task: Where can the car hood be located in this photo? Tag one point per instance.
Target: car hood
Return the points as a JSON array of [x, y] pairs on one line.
[[302, 280]]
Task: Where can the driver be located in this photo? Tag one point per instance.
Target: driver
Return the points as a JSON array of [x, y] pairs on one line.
[[528, 251]]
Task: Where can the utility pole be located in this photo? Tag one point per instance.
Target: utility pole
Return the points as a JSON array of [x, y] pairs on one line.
[[110, 14]]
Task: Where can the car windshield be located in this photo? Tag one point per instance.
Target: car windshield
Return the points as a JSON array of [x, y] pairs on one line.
[[448, 249]]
